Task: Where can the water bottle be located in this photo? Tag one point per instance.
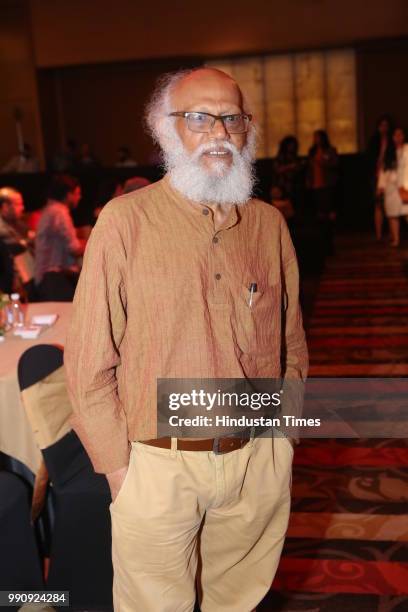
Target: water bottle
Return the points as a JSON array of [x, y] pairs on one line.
[[15, 311]]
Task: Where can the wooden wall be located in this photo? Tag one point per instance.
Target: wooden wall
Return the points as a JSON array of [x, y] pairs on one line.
[[18, 80], [102, 105]]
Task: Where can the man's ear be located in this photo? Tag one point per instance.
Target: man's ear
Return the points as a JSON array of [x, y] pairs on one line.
[[165, 132]]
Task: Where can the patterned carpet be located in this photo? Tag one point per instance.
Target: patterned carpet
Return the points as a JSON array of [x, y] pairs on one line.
[[347, 544]]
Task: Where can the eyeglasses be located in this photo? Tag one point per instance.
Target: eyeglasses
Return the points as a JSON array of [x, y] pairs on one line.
[[204, 122]]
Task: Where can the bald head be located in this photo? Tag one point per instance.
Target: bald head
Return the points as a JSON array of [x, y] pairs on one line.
[[11, 204], [178, 90], [207, 87]]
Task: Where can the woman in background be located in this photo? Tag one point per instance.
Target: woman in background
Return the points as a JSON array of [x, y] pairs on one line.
[[380, 147], [392, 180], [322, 176], [287, 169]]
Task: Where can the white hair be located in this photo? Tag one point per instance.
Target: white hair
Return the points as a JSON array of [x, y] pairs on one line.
[[159, 106], [226, 185]]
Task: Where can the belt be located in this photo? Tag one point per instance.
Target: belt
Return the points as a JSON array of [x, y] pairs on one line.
[[217, 445]]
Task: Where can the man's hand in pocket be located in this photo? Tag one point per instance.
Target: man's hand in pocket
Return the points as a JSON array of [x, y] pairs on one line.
[[115, 480]]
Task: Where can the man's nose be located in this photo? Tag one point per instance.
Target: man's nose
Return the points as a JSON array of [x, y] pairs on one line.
[[218, 130]]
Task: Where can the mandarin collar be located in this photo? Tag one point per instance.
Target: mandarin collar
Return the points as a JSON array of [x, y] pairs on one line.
[[198, 208]]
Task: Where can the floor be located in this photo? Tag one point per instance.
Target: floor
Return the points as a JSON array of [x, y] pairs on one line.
[[346, 548]]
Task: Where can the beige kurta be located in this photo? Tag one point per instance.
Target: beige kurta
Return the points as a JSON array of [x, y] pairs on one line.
[[163, 294]]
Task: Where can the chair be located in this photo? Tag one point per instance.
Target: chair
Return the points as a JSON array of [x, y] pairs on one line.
[[20, 564], [80, 557]]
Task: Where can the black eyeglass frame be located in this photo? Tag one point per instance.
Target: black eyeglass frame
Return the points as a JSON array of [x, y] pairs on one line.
[[221, 118]]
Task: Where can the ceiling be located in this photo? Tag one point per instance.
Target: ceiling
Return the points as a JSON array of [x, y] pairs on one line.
[[93, 31]]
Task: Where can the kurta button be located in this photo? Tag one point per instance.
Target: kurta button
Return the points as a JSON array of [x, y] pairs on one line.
[[215, 240], [205, 211], [218, 276]]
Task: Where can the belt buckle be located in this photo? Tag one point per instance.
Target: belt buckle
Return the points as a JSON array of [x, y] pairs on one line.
[[216, 443]]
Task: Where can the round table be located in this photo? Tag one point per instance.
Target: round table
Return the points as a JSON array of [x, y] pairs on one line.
[[16, 437]]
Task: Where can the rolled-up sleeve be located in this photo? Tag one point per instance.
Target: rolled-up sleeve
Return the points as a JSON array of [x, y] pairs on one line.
[[92, 351]]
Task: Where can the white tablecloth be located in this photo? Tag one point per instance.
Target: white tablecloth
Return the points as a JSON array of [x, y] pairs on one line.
[[16, 437]]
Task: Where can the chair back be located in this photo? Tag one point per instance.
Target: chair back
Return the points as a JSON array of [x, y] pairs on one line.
[[41, 377], [37, 362]]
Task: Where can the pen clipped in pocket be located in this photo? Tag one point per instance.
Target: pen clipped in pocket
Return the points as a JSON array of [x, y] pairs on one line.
[[257, 317]]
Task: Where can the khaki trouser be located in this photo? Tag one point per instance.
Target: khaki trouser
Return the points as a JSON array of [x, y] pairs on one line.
[[229, 512]]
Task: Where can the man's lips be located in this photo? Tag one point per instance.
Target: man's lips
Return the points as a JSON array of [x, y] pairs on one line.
[[217, 153]]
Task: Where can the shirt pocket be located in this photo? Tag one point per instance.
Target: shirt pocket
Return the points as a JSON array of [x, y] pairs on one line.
[[257, 325]]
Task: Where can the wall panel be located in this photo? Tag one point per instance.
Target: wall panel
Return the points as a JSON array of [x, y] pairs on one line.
[[342, 99], [299, 93], [280, 97], [310, 97]]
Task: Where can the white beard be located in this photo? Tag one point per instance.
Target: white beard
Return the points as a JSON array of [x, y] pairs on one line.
[[222, 184]]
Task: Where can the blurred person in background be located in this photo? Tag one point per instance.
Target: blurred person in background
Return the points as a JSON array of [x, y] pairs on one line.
[[113, 189], [57, 246], [24, 162], [393, 182], [108, 188], [287, 170], [11, 211], [284, 205], [321, 181], [66, 160], [380, 148], [134, 183], [16, 266], [33, 219], [87, 160], [124, 158]]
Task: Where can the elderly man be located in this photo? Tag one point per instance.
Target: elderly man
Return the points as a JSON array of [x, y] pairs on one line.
[[164, 294]]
